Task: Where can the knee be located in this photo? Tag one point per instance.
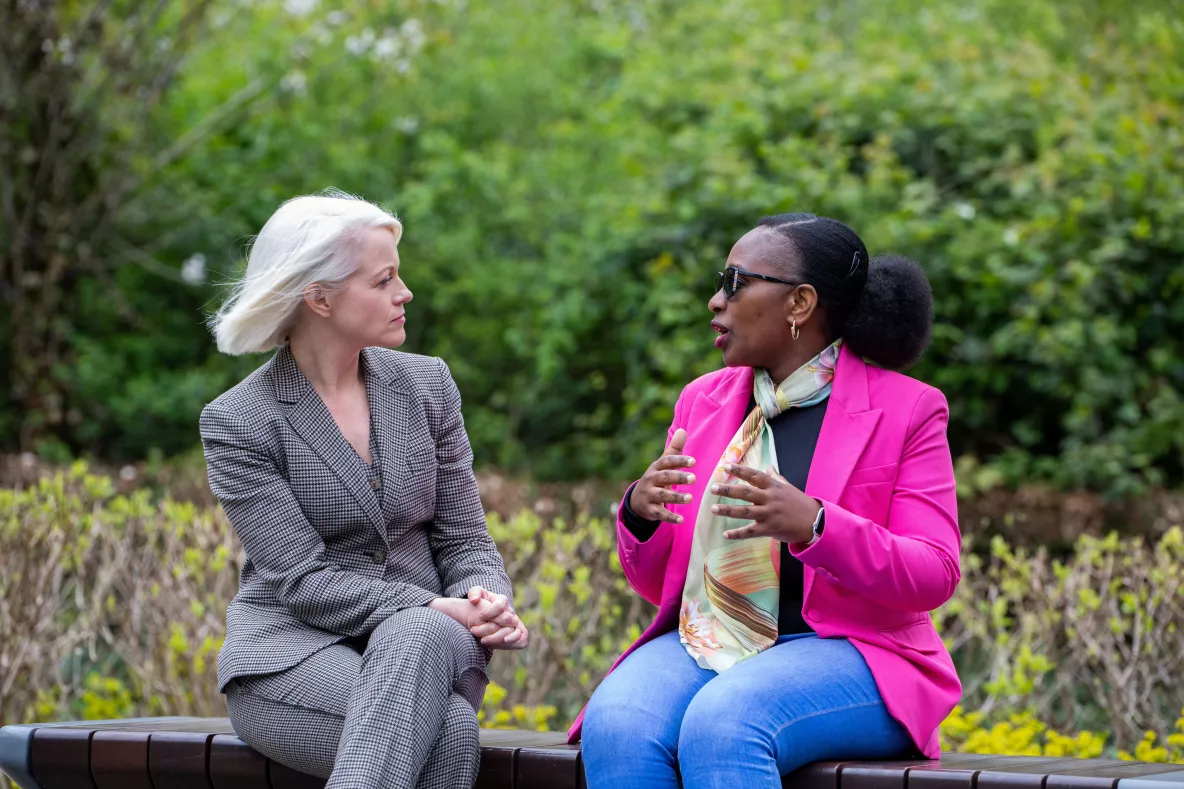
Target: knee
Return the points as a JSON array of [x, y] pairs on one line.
[[716, 723], [614, 722], [419, 630]]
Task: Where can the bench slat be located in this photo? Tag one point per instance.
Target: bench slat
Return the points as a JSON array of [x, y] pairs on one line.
[[557, 767], [1023, 772], [60, 758], [940, 778], [497, 767], [819, 775], [235, 765], [119, 760], [282, 777], [876, 775], [179, 760], [1161, 781]]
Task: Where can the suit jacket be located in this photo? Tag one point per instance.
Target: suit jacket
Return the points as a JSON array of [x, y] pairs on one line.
[[890, 550], [327, 556]]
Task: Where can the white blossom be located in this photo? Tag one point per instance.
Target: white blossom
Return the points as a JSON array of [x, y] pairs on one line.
[[294, 82], [387, 47], [193, 270], [413, 35], [359, 45], [300, 7]]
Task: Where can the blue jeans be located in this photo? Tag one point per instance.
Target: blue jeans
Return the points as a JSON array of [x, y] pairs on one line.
[[805, 699]]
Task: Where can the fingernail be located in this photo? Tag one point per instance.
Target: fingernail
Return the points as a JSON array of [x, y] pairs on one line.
[[690, 479], [715, 509], [687, 499], [678, 519], [715, 488], [728, 467], [690, 461]]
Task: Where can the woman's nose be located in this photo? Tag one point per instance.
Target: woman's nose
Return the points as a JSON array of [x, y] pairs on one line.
[[717, 302]]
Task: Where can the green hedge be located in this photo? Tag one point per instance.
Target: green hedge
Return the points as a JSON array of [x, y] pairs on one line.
[[571, 174], [115, 605]]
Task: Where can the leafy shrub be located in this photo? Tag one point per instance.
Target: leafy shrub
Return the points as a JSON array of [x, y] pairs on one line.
[[566, 206], [114, 605]]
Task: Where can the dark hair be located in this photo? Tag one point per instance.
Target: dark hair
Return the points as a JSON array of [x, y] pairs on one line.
[[882, 307]]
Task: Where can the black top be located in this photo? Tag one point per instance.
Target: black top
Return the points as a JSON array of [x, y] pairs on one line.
[[795, 435]]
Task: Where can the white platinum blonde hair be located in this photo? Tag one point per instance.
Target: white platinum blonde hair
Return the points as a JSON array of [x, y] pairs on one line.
[[308, 240]]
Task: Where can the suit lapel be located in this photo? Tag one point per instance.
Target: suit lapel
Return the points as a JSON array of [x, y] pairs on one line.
[[389, 421], [846, 430], [312, 421]]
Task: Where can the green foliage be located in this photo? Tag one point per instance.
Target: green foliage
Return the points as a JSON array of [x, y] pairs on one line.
[[571, 174], [114, 607]]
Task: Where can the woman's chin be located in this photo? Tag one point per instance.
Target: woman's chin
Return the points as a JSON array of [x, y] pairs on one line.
[[393, 337], [733, 359]]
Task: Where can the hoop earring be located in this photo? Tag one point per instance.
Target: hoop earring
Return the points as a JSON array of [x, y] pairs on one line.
[[793, 329]]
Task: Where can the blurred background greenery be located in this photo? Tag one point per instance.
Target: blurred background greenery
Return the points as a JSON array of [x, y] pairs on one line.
[[570, 175]]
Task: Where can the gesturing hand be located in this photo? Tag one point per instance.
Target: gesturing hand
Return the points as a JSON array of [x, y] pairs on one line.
[[776, 508], [652, 492]]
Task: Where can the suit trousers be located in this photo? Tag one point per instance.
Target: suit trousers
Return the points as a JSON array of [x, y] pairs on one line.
[[401, 711]]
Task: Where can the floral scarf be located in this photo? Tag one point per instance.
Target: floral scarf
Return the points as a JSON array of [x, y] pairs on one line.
[[730, 599]]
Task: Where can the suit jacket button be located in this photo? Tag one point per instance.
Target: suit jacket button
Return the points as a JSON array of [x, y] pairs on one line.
[[378, 555], [376, 483]]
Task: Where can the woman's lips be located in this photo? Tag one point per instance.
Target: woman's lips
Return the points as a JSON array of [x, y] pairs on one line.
[[724, 333]]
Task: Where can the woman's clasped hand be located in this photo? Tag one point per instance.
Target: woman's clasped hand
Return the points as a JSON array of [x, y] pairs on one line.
[[488, 616]]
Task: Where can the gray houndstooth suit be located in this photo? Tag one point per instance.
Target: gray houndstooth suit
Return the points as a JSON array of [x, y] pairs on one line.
[[332, 662]]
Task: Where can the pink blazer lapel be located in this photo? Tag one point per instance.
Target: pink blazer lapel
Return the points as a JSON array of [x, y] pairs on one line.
[[846, 430]]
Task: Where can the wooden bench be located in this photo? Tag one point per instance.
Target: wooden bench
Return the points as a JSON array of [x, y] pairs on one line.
[[204, 753]]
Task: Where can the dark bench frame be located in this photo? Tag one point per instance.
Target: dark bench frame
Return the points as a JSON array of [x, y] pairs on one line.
[[204, 753]]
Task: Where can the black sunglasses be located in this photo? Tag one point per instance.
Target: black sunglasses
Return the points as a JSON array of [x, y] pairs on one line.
[[729, 280]]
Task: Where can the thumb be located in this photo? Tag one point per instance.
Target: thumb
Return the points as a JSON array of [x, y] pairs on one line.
[[677, 442]]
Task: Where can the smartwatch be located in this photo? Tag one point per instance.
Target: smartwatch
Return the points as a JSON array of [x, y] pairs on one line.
[[819, 524]]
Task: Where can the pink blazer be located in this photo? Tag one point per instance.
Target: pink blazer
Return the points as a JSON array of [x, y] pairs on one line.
[[890, 552]]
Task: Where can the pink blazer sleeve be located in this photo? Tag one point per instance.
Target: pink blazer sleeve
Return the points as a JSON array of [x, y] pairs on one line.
[[910, 562], [644, 563]]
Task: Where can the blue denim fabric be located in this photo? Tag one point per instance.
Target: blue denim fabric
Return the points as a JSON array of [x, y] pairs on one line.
[[659, 716]]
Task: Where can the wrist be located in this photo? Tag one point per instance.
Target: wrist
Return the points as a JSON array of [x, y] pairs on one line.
[[816, 528]]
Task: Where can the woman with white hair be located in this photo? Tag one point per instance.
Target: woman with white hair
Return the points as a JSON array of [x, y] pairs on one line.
[[372, 593]]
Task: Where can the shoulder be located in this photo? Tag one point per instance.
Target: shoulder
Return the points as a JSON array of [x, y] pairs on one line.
[[904, 399], [412, 373], [244, 405], [718, 380]]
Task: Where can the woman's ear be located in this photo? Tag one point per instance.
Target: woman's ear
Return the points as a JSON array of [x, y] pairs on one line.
[[803, 302], [317, 300]]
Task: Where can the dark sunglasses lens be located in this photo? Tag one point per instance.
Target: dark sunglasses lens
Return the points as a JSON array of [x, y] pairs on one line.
[[728, 279]]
